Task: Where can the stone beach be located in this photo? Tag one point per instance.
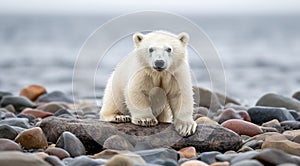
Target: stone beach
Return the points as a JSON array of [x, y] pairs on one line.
[[44, 128]]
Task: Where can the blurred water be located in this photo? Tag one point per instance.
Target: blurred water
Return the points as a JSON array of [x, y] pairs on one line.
[[260, 53]]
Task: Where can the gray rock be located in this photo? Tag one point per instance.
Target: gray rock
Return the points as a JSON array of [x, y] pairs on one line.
[[226, 157], [254, 144], [248, 163], [167, 162], [83, 161], [244, 156], [19, 122], [161, 153], [7, 132], [19, 102], [117, 142], [290, 125], [9, 145], [294, 114], [93, 133], [15, 158], [63, 112], [208, 157], [296, 95], [2, 94], [261, 115], [275, 157], [52, 107], [55, 96], [54, 161], [275, 100], [71, 144]]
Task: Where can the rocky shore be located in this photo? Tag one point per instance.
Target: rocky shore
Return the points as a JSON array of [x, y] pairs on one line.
[[47, 128]]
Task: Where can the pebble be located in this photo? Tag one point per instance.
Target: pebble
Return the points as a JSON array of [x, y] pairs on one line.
[[54, 161], [276, 157], [188, 152], [248, 163], [33, 138], [205, 120], [280, 142], [10, 108], [37, 113], [142, 146], [15, 158], [18, 102], [32, 92], [8, 145], [63, 112], [275, 100], [226, 157], [260, 115], [82, 161], [203, 111], [254, 144], [19, 122], [296, 95], [290, 125], [108, 153], [71, 144], [244, 156], [273, 123], [30, 118], [41, 154], [4, 114], [118, 143], [7, 132], [245, 149], [56, 96], [208, 157], [194, 163], [167, 162], [59, 152], [231, 113], [129, 159], [160, 153], [52, 107], [205, 98], [225, 163], [242, 127], [2, 94]]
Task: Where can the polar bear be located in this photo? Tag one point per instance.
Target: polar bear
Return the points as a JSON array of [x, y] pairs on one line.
[[153, 84]]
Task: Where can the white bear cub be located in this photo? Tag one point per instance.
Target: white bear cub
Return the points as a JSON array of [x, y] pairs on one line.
[[153, 84]]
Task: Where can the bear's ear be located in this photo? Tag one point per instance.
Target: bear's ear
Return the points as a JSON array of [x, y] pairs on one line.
[[137, 38], [184, 38]]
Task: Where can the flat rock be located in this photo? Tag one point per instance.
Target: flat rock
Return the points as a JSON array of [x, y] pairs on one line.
[[32, 92], [55, 96], [19, 102], [71, 144], [260, 115], [15, 158], [290, 125], [8, 145], [33, 138], [117, 142], [208, 157], [2, 94], [7, 132], [160, 153], [275, 100], [93, 133]]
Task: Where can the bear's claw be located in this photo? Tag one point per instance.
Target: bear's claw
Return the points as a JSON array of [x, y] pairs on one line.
[[122, 118], [145, 121], [185, 128]]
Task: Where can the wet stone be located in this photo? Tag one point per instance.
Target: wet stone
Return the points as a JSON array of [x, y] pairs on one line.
[[71, 144], [8, 132], [19, 103]]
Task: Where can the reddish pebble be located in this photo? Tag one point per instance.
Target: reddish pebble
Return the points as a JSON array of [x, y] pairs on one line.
[[242, 127], [32, 92], [194, 163], [37, 113], [189, 152], [59, 152], [33, 138]]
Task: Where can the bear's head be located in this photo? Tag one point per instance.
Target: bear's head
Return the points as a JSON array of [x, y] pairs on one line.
[[161, 50]]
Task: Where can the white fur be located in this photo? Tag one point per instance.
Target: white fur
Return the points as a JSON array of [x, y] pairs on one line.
[[138, 93]]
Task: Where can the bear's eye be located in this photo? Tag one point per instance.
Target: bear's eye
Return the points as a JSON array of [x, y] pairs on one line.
[[151, 50], [168, 49]]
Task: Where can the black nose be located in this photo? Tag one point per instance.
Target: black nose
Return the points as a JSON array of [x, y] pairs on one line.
[[159, 63]]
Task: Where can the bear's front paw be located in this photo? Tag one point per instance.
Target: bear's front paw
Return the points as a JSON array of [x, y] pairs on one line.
[[185, 128], [145, 121]]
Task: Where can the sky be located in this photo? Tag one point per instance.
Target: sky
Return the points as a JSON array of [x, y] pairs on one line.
[[124, 6]]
